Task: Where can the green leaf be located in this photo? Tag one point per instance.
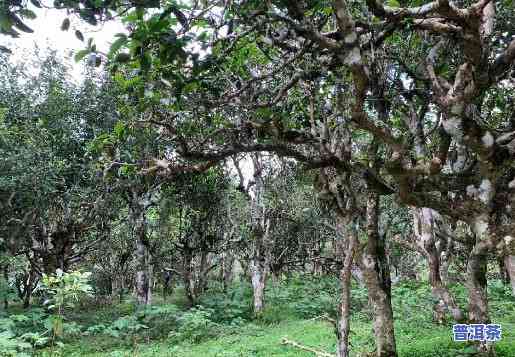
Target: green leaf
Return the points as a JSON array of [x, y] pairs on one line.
[[36, 3], [146, 61], [79, 35], [65, 25], [123, 57], [81, 54], [18, 23], [119, 129], [28, 14], [115, 47], [5, 50]]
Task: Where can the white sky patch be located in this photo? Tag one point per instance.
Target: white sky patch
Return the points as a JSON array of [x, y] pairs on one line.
[[48, 35]]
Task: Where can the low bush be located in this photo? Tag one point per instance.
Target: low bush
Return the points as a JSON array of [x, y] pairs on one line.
[[196, 325]]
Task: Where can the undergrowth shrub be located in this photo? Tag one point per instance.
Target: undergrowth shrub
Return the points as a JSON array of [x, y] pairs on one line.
[[196, 325], [501, 299], [232, 307], [150, 322], [18, 333], [297, 295]]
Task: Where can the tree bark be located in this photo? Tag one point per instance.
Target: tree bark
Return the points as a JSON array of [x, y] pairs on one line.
[[259, 265], [343, 326], [189, 276], [117, 287], [203, 272], [143, 273], [376, 274], [5, 271], [509, 265], [28, 288], [258, 279], [424, 227], [143, 283], [227, 269], [476, 278]]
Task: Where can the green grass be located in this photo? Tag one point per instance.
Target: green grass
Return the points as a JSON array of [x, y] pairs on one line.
[[293, 312], [425, 340]]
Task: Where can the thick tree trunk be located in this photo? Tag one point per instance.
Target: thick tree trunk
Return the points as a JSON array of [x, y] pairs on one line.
[[376, 274]]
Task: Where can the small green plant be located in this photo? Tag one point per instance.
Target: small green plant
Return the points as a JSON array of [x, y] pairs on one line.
[[196, 325], [64, 290], [127, 325]]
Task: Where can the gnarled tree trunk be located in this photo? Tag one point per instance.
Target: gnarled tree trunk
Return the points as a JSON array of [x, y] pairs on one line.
[[425, 231]]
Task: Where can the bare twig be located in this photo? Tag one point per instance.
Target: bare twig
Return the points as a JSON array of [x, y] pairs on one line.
[[286, 341]]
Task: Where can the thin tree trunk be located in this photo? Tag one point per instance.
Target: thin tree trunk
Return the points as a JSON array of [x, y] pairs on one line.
[[189, 276], [28, 289], [259, 272], [509, 265], [424, 227], [227, 269], [143, 274], [260, 261], [446, 257], [142, 254], [503, 272], [6, 278], [476, 279], [343, 326], [376, 274], [203, 272], [477, 284], [117, 287]]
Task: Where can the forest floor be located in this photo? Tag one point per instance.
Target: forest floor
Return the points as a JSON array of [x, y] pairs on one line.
[[222, 325], [253, 340]]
